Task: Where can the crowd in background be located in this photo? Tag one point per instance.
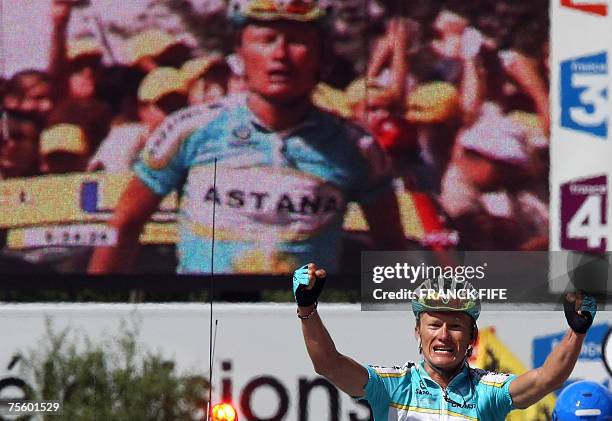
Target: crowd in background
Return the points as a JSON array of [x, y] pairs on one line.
[[455, 92]]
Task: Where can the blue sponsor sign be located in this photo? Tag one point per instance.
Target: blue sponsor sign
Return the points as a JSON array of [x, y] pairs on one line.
[[584, 94], [591, 349]]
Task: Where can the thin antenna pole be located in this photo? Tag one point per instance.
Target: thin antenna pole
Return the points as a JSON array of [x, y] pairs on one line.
[[215, 338], [211, 297], [2, 49]]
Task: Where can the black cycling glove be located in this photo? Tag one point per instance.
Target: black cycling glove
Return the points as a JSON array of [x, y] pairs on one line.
[[303, 296], [580, 323]]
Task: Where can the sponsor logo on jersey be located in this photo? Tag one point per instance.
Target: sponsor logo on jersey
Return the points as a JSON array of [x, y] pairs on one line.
[[241, 136], [257, 201], [285, 202], [584, 94]]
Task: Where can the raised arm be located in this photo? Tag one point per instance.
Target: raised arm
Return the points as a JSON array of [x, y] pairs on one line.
[[379, 58], [135, 207], [391, 50], [58, 58], [471, 87], [532, 386], [399, 40], [348, 375], [525, 71]]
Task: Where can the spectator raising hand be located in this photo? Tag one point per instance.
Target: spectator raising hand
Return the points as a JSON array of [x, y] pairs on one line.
[[471, 43], [471, 85], [524, 70], [389, 65], [450, 28], [60, 12]]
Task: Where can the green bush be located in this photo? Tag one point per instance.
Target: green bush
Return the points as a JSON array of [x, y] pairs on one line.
[[114, 379]]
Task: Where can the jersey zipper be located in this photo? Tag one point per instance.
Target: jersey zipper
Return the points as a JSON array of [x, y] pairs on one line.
[[444, 409]]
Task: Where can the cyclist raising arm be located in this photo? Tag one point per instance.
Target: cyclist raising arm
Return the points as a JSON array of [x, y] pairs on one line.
[[286, 169], [442, 382]]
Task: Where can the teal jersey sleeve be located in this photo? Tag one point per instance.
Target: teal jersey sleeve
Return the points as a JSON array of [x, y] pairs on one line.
[[163, 180], [165, 161], [377, 394], [376, 390], [385, 385], [496, 388]]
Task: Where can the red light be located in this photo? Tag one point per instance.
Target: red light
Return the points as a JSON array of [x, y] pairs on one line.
[[224, 412]]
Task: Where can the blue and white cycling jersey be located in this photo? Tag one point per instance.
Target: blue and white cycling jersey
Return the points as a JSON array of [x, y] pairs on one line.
[[280, 196], [409, 394]]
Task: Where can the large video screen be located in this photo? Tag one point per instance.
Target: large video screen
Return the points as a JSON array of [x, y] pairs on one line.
[[152, 136]]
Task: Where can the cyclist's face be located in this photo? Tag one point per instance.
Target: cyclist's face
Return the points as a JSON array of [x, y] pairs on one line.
[[281, 59], [445, 337]]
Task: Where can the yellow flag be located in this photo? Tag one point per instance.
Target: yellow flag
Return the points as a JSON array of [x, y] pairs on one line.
[[491, 354]]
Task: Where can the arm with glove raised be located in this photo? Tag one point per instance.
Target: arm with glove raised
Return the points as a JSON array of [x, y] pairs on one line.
[[532, 386], [348, 375]]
